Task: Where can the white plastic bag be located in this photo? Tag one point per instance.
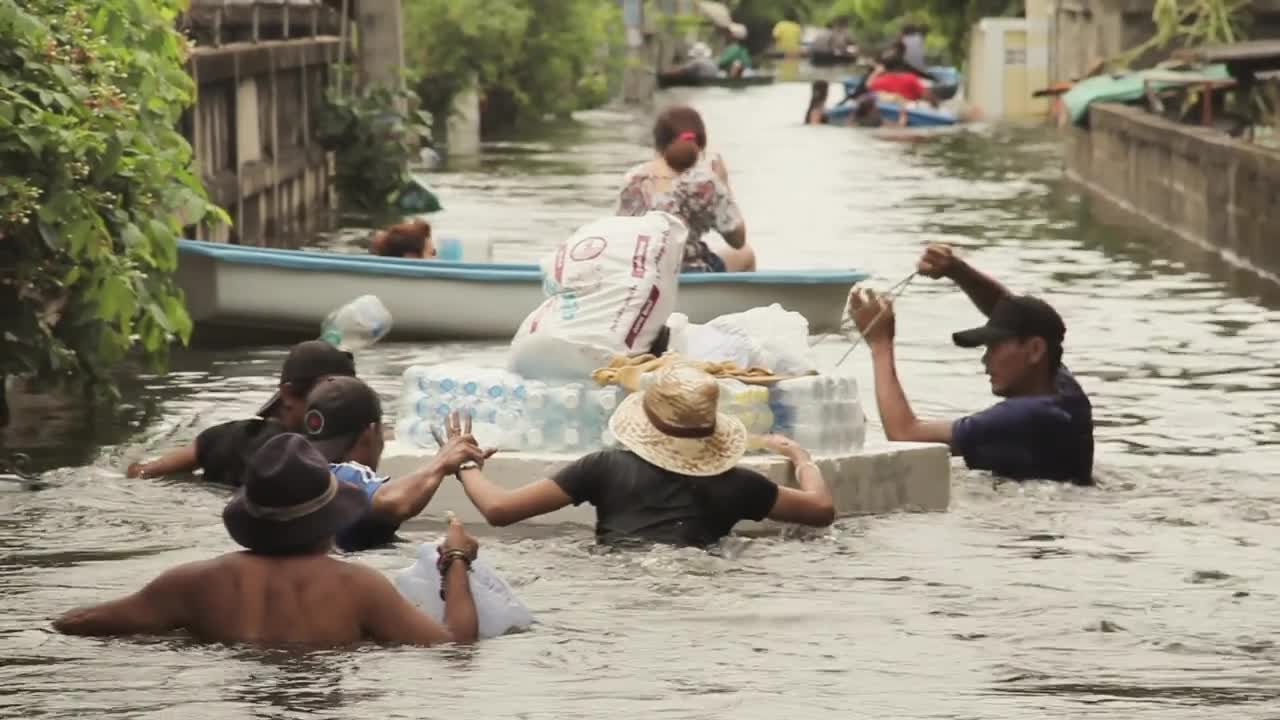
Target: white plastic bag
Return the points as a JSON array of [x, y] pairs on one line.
[[780, 339], [611, 287], [498, 610]]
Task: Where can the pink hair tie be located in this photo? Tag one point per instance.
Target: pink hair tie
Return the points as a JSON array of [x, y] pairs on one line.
[[688, 136]]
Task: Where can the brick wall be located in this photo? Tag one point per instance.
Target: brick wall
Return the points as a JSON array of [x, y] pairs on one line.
[[1197, 183]]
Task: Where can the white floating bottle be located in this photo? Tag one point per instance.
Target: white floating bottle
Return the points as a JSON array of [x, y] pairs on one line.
[[358, 324]]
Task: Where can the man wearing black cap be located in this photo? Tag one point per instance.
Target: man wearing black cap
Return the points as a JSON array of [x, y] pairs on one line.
[[285, 589], [1042, 429], [343, 420], [222, 449]]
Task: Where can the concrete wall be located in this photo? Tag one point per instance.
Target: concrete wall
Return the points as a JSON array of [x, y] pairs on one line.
[[1196, 183], [1084, 32]]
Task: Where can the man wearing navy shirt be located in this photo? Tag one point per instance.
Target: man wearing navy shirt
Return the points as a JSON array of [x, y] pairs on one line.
[[1043, 429]]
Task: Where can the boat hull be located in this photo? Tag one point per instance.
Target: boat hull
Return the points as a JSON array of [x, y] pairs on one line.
[[670, 81], [237, 293]]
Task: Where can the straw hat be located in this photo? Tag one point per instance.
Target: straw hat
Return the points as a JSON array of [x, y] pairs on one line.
[[674, 424]]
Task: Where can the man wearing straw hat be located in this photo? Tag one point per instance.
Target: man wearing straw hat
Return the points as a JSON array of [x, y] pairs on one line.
[[285, 589], [675, 479], [1043, 429]]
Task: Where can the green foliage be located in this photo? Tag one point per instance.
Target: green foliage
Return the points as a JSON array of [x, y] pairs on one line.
[[97, 184], [1190, 23], [374, 133], [950, 21], [550, 57]]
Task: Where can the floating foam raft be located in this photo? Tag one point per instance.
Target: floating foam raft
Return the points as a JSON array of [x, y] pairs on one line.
[[885, 478]]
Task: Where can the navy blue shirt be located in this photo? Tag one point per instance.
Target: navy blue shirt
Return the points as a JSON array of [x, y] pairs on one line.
[[1044, 437]]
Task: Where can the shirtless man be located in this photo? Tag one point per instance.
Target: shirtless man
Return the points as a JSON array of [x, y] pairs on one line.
[[285, 589]]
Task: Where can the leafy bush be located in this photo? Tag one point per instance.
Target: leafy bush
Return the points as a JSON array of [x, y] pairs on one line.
[[373, 134], [547, 57], [97, 185]]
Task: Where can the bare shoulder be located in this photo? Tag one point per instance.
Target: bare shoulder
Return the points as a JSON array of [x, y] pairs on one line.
[[361, 578]]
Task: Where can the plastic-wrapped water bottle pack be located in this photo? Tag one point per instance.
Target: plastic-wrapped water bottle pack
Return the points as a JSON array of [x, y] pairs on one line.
[[821, 413], [507, 410]]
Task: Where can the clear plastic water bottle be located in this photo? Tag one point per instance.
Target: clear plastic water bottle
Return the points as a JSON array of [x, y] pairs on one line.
[[358, 324], [415, 431], [571, 438], [601, 403]]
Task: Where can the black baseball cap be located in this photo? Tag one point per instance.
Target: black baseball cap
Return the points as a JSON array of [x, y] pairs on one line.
[[1016, 316], [309, 361], [338, 410]]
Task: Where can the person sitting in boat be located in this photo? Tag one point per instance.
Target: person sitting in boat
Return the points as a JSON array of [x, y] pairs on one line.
[[1043, 429], [817, 112], [735, 60], [344, 422], [676, 478], [700, 65], [682, 181], [284, 589], [405, 240], [901, 86], [840, 40], [912, 41], [222, 450]]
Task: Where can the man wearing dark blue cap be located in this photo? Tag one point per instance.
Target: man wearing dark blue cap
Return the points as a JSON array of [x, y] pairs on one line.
[[222, 450], [1043, 429]]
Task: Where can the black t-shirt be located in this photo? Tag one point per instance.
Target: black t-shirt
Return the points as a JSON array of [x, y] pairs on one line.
[[224, 450], [635, 500]]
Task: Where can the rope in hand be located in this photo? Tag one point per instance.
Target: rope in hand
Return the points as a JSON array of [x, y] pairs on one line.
[[892, 294]]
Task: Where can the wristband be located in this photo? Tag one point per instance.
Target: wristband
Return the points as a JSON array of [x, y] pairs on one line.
[[445, 561], [468, 465], [808, 463]]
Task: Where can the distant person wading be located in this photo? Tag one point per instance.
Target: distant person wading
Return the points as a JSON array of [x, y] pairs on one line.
[[683, 181]]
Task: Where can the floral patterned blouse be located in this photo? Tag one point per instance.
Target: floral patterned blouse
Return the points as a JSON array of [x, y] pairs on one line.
[[698, 196]]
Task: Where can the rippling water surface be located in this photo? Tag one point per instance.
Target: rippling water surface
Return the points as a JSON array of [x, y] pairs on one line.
[[1153, 595]]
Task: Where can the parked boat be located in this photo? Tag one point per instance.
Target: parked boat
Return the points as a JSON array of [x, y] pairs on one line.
[[669, 81], [231, 290], [916, 117], [944, 78]]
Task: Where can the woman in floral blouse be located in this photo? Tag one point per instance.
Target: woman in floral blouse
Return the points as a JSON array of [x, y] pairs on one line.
[[682, 181]]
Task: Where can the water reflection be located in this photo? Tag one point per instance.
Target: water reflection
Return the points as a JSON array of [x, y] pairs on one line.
[[1150, 594]]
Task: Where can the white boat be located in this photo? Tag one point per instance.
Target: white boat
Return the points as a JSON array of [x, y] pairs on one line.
[[235, 291]]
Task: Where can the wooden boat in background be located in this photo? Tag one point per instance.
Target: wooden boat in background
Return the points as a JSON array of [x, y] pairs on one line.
[[670, 81]]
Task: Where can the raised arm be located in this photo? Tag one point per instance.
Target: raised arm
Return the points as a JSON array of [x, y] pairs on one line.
[[409, 494], [159, 607], [499, 505], [983, 290], [175, 461], [874, 317], [502, 507]]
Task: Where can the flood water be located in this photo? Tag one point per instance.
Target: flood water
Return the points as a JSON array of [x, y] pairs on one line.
[[1152, 595]]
